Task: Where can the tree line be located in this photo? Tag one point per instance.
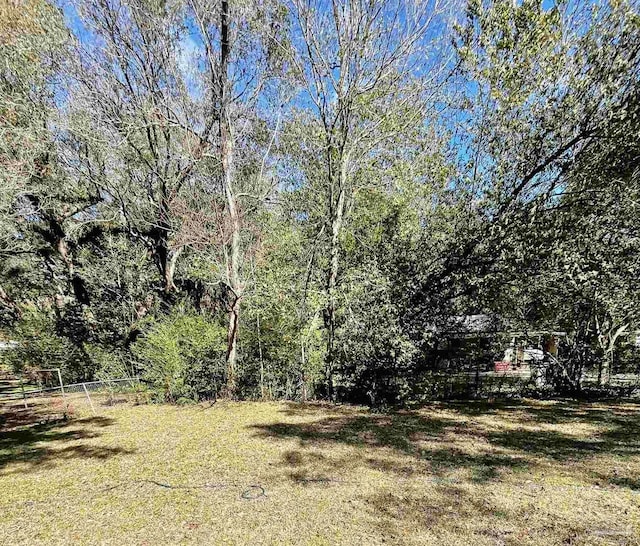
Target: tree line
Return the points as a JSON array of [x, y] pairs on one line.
[[292, 198]]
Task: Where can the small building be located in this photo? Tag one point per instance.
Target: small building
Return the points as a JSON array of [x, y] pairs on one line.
[[472, 342]]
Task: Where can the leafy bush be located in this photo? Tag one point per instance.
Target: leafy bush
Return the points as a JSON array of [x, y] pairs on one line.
[[182, 357], [377, 360], [110, 362], [272, 362], [40, 346]]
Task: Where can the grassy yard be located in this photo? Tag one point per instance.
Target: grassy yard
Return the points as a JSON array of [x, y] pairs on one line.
[[529, 473]]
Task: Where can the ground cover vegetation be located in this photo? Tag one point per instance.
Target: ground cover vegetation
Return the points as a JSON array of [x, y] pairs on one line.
[[523, 473]]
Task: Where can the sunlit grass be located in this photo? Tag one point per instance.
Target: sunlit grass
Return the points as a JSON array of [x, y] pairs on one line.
[[276, 473]]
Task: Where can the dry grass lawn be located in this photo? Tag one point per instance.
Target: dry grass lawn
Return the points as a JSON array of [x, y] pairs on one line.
[[531, 473]]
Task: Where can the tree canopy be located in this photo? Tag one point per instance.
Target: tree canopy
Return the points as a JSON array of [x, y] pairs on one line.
[[297, 198]]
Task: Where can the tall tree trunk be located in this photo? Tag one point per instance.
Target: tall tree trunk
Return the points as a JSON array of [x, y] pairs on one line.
[[262, 393], [332, 282], [78, 286], [170, 270], [232, 347], [303, 361], [227, 161]]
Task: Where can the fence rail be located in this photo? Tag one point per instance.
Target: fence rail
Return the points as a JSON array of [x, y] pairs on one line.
[[28, 390]]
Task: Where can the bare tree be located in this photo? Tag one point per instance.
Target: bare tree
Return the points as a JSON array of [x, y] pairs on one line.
[[244, 72], [369, 70], [131, 104], [173, 93]]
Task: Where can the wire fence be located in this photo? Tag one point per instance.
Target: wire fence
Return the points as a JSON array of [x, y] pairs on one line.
[[30, 390], [80, 398], [510, 384]]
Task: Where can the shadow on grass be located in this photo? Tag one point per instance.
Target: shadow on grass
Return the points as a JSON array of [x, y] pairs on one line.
[[617, 428], [446, 506], [396, 430], [474, 472], [392, 443], [27, 439], [439, 443], [555, 412]]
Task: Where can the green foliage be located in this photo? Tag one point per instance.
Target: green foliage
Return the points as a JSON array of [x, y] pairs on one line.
[[378, 359], [41, 347], [368, 214], [182, 357], [281, 327], [110, 362], [32, 35]]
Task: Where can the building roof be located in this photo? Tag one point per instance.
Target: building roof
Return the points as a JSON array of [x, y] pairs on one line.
[[471, 324], [482, 325]]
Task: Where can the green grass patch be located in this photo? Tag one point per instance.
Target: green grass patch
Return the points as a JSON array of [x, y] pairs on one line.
[[526, 473]]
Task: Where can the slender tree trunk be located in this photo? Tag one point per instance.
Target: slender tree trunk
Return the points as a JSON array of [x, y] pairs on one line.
[[78, 285], [600, 366], [227, 161], [170, 270], [332, 282], [232, 347], [606, 363], [304, 368], [262, 395], [235, 282]]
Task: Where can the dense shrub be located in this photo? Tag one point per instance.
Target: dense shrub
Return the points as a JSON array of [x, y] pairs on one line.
[[40, 345], [111, 362], [182, 357], [283, 359], [377, 360]]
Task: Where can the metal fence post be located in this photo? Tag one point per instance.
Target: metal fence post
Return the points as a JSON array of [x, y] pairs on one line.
[[60, 379], [24, 396], [84, 386]]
